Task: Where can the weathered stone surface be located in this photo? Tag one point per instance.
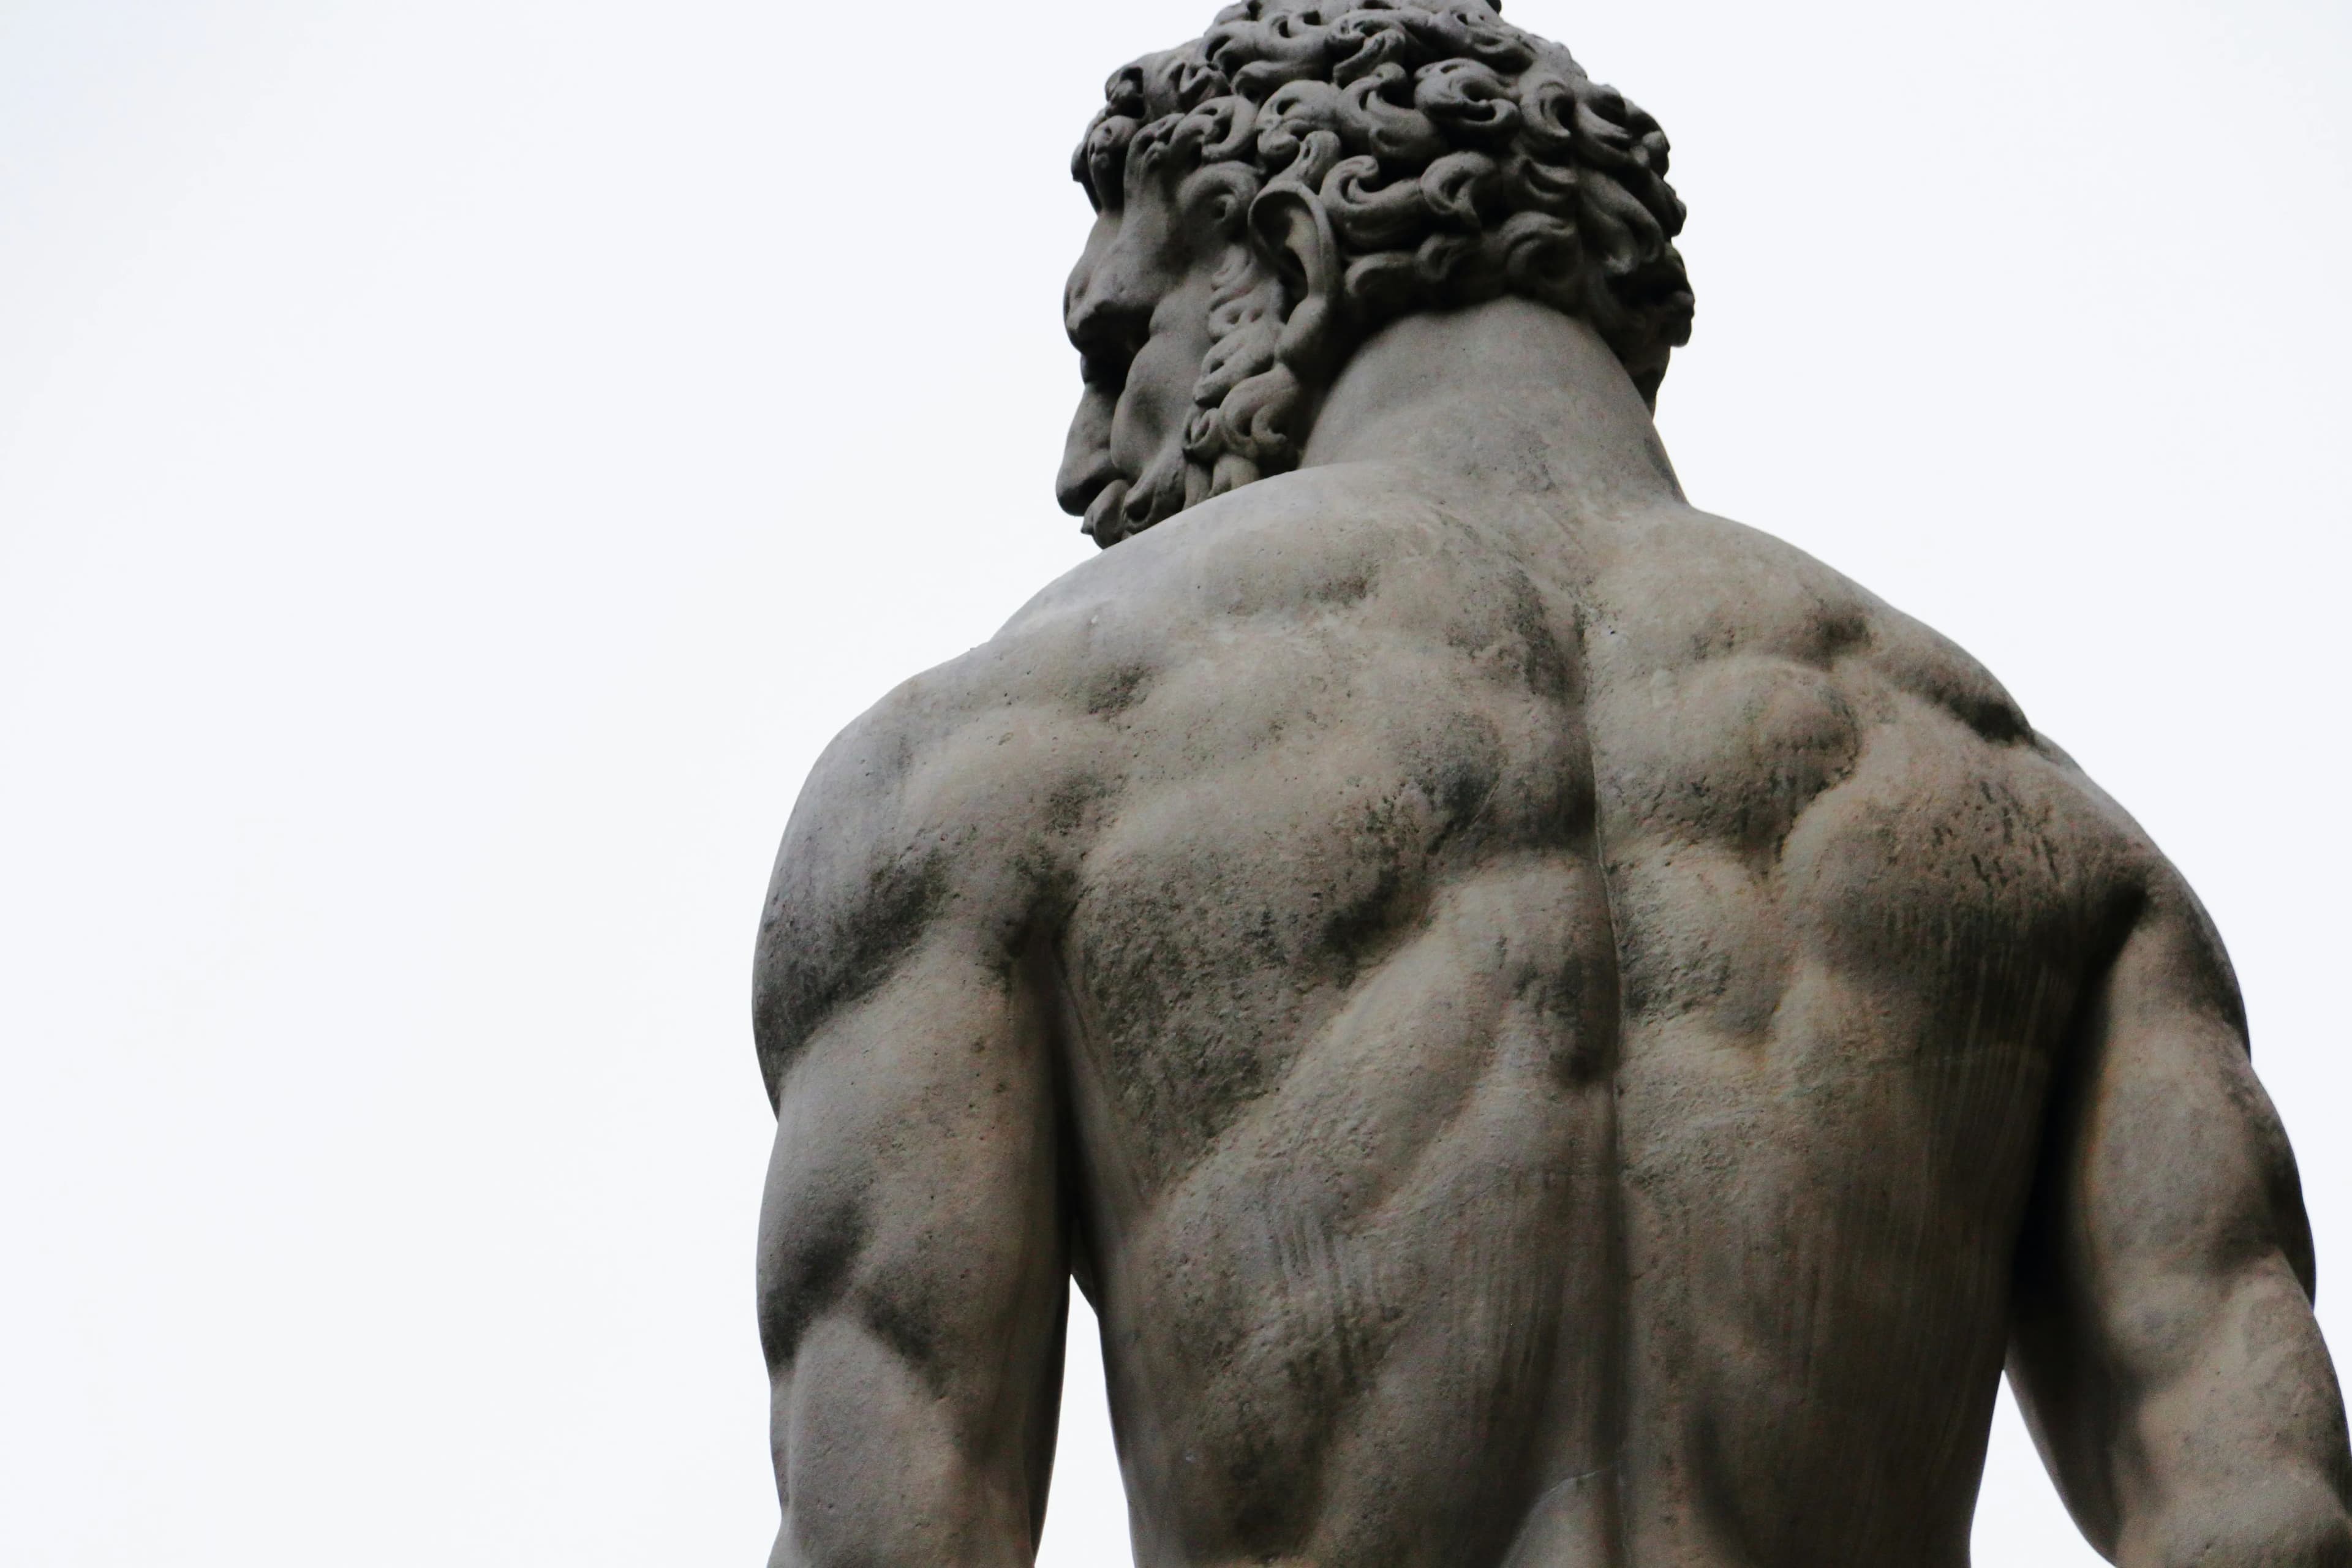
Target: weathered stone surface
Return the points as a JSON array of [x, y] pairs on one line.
[[1552, 1028]]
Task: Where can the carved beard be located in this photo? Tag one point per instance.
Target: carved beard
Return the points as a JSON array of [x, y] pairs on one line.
[[1243, 400], [1167, 486], [1104, 523]]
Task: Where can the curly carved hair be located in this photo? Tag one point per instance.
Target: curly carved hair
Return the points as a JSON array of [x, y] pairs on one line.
[[1449, 158]]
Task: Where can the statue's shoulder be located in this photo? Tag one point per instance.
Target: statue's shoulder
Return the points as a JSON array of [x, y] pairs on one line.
[[963, 797], [941, 812], [1678, 589], [1085, 644], [1684, 583], [961, 746]]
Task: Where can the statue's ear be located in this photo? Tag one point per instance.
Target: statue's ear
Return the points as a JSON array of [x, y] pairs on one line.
[[1293, 232]]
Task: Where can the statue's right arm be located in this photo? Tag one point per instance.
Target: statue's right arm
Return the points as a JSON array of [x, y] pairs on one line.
[[2164, 1348], [913, 1263]]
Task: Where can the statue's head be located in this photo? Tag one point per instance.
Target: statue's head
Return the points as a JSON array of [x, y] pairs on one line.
[[1269, 194]]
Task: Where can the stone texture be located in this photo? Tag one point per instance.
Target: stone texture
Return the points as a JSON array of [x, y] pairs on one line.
[[1551, 1027]]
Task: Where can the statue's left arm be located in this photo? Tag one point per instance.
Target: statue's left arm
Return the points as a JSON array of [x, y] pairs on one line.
[[2164, 1347], [913, 1263]]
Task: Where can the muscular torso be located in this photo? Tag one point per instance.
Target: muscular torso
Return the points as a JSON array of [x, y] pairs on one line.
[[1534, 997]]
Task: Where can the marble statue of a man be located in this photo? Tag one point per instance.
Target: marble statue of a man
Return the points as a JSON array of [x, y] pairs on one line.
[[1552, 1028]]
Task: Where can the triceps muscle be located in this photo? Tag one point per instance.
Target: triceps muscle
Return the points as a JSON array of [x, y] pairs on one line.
[[2164, 1349], [913, 1268]]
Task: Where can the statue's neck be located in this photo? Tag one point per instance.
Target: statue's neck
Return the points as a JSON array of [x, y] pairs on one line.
[[1509, 395]]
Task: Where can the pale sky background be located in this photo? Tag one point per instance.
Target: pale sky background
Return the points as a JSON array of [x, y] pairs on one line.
[[459, 463]]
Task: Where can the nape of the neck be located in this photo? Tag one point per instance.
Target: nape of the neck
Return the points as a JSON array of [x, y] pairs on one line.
[[1510, 394]]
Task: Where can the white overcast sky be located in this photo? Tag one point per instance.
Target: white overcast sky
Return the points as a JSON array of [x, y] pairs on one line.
[[460, 462]]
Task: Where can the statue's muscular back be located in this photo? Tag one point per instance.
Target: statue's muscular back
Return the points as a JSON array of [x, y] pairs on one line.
[[1521, 999]]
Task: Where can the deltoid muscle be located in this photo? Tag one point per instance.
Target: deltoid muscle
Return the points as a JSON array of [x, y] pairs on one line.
[[1454, 158]]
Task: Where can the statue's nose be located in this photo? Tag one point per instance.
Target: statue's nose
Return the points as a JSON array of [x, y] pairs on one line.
[[1107, 309], [1108, 323]]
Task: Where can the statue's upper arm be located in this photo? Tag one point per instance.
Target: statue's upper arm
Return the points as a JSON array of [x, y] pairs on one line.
[[856, 882], [2164, 1282], [2179, 1162], [912, 1258]]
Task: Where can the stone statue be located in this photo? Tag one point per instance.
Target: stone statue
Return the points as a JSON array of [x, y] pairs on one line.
[[1552, 1028]]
